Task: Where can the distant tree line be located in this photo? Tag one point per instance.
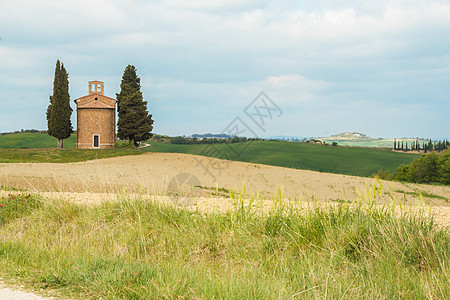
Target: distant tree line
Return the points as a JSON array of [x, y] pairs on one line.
[[180, 140], [421, 146], [23, 131], [428, 168]]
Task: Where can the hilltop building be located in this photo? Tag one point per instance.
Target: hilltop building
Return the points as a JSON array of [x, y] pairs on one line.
[[96, 118]]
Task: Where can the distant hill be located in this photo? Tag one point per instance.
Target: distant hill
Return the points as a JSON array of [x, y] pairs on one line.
[[351, 135], [358, 139]]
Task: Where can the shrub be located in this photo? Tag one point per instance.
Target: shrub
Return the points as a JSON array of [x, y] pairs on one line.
[[383, 174], [425, 169], [402, 173], [124, 144], [428, 168], [444, 166]]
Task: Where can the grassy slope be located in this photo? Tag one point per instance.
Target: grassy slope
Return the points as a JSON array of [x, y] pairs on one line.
[[343, 160], [135, 249], [41, 148], [60, 155], [34, 140]]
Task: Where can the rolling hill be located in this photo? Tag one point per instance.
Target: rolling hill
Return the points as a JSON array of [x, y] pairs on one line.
[[356, 139], [342, 160]]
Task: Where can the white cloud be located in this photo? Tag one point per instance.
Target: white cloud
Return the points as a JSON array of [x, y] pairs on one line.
[[220, 53], [294, 81]]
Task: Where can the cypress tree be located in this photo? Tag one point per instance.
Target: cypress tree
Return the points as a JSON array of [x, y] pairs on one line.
[[430, 145], [59, 110], [395, 144], [135, 123]]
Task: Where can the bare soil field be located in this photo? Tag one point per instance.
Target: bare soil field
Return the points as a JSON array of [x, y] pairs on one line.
[[174, 177]]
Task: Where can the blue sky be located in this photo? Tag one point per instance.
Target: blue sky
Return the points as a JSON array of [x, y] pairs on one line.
[[380, 68]]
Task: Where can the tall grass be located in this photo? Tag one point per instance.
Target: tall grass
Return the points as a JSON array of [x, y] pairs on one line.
[[138, 249]]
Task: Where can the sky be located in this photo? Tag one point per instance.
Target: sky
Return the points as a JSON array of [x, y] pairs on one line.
[[377, 67]]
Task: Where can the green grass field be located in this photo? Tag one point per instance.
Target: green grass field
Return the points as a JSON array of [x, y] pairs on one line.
[[34, 140], [39, 147], [136, 249], [54, 155], [341, 160]]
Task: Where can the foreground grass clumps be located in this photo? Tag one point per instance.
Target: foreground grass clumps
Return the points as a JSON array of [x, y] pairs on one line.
[[137, 249], [17, 205]]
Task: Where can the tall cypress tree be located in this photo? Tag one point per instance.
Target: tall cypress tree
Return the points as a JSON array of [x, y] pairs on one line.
[[135, 123], [59, 110]]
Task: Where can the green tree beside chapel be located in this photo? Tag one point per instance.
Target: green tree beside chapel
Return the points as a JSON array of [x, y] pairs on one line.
[[135, 123], [59, 110]]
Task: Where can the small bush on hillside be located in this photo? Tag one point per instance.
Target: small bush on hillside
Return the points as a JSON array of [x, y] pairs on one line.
[[124, 145], [383, 174]]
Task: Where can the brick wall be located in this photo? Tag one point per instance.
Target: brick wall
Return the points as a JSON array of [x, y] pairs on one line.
[[95, 121]]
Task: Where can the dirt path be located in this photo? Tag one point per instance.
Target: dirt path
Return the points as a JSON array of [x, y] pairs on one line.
[[16, 294], [6, 293]]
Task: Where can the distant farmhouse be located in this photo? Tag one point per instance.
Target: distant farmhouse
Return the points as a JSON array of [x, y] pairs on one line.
[[96, 119]]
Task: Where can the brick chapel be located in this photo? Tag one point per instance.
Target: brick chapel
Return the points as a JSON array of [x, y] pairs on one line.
[[96, 118]]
